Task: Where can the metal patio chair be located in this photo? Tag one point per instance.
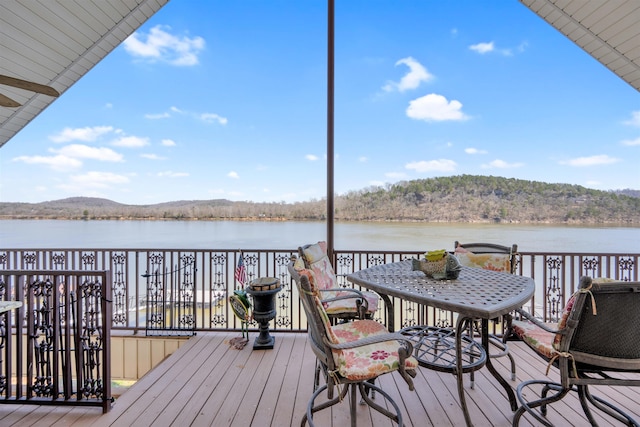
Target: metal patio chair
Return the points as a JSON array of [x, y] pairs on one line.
[[596, 342], [351, 354], [341, 303]]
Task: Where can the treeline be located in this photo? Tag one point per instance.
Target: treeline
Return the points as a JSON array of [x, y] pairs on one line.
[[464, 198]]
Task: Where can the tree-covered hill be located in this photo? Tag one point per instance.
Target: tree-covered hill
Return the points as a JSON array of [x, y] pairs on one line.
[[471, 198], [464, 198]]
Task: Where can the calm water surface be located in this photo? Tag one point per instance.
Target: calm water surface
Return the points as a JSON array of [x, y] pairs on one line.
[[289, 235]]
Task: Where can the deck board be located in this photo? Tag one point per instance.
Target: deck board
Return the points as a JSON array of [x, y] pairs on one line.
[[206, 382]]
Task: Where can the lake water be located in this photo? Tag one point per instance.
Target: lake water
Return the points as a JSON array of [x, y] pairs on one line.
[[20, 234]]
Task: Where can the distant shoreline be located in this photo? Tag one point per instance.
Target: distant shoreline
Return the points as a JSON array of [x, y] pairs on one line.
[[465, 199], [258, 219]]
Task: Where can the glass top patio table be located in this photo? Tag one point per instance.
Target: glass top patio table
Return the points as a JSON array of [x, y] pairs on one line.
[[475, 294]]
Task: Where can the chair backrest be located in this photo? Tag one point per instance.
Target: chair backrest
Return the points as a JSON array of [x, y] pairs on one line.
[[315, 258], [488, 256], [603, 325], [318, 323]]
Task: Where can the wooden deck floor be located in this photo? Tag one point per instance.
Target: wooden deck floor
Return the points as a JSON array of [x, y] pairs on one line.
[[208, 383]]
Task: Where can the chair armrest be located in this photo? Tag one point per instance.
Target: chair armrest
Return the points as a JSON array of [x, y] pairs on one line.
[[537, 322], [358, 294]]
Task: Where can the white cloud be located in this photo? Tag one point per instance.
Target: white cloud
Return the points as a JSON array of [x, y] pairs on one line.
[[435, 107], [59, 163], [416, 75], [86, 134], [233, 174], [631, 142], [522, 46], [472, 150], [168, 142], [131, 142], [157, 116], [440, 165], [501, 164], [311, 157], [162, 46], [204, 117], [482, 48], [211, 117], [363, 159], [152, 156], [171, 174], [634, 120], [81, 151], [602, 159]]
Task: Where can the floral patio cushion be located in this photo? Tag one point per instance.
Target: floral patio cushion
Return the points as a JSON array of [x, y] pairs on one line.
[[319, 306], [536, 337], [325, 278], [495, 262], [563, 320], [368, 361], [316, 257]]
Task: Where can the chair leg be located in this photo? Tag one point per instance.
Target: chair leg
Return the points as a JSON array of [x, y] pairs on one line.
[[395, 416], [502, 346], [529, 407], [308, 417], [504, 351], [316, 378], [604, 406], [373, 392], [365, 388]]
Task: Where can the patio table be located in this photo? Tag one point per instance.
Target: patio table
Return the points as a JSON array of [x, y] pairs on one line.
[[475, 294]]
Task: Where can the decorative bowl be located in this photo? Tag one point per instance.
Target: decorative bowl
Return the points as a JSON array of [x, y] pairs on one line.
[[448, 267]]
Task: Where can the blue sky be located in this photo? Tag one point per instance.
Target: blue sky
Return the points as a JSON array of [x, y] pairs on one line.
[[227, 100]]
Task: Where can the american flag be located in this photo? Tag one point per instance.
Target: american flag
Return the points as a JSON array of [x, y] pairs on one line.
[[241, 273]]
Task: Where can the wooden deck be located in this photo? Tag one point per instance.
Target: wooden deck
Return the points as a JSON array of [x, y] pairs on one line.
[[206, 382]]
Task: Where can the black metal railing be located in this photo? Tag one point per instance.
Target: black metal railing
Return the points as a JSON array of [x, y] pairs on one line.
[[180, 291], [55, 347]]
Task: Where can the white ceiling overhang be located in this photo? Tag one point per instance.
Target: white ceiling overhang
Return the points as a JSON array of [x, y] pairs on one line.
[[608, 30], [55, 43]]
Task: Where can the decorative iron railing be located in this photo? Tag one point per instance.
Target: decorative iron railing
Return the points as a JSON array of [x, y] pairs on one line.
[[55, 348], [180, 291]]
